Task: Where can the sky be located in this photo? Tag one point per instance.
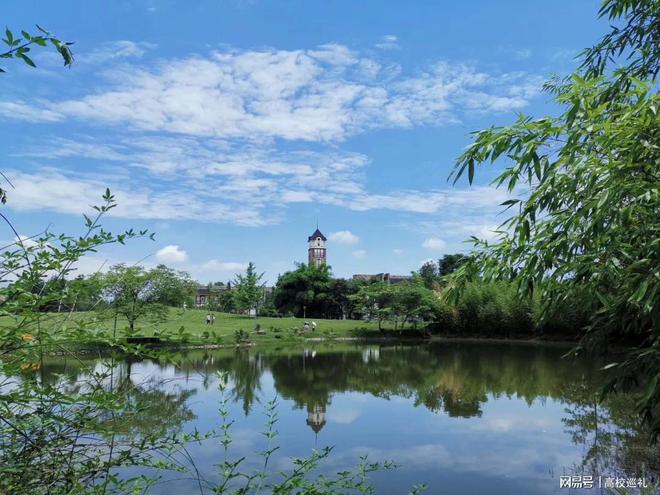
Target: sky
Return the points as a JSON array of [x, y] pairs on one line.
[[231, 127]]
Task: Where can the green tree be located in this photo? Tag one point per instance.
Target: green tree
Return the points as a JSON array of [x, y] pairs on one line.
[[374, 301], [248, 289], [416, 303], [429, 274], [405, 303], [131, 293], [590, 224], [172, 287], [84, 293], [226, 301], [449, 263], [339, 303], [303, 291]]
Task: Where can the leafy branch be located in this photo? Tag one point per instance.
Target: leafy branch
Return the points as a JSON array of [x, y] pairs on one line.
[[19, 47]]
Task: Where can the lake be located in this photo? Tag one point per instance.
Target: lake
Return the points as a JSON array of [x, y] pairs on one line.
[[484, 418]]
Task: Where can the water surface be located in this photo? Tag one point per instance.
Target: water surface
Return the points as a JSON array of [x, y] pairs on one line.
[[479, 418]]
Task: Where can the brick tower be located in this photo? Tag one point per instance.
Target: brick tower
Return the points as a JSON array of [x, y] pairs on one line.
[[316, 255]]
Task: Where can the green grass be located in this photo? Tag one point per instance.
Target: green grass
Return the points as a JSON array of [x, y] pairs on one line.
[[223, 331], [226, 325]]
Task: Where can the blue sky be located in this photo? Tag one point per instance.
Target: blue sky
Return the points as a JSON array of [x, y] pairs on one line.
[[229, 127]]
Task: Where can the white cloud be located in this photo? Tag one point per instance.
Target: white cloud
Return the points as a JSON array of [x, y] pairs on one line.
[[388, 42], [343, 416], [297, 197], [25, 241], [434, 244], [72, 193], [171, 254], [344, 237], [325, 94], [115, 50], [224, 266], [213, 183], [523, 53], [216, 155], [359, 253], [398, 251], [563, 55], [32, 113]]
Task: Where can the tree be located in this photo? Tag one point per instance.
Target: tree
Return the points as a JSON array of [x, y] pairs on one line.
[[416, 303], [590, 224], [226, 301], [304, 291], [449, 263], [374, 301], [429, 274], [248, 290], [131, 292], [171, 287], [339, 304], [400, 303], [84, 293]]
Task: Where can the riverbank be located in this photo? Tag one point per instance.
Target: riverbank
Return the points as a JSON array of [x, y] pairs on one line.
[[189, 329]]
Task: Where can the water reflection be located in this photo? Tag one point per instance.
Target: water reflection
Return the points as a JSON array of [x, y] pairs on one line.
[[511, 418]]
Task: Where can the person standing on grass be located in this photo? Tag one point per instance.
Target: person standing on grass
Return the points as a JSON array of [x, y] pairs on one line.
[[313, 326], [208, 318], [212, 319]]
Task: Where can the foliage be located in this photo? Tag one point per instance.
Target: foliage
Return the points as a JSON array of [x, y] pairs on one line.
[[131, 291], [55, 438], [172, 287], [428, 272], [433, 272], [248, 290], [449, 263], [589, 224], [20, 47], [638, 39], [241, 336], [83, 293], [226, 301], [493, 309], [402, 304], [302, 292]]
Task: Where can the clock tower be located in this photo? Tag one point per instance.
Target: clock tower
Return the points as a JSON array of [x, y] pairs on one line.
[[316, 255]]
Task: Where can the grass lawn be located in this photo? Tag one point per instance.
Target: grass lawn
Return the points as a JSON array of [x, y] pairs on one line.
[[225, 326], [223, 331]]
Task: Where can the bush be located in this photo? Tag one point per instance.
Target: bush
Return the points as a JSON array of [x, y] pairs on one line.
[[241, 336], [444, 317], [565, 320], [493, 309]]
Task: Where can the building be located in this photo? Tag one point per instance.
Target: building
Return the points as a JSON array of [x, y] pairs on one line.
[[382, 277], [316, 417], [206, 294], [316, 252], [202, 296]]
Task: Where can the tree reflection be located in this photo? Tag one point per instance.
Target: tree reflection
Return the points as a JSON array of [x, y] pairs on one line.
[[452, 379]]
